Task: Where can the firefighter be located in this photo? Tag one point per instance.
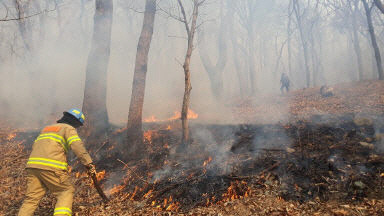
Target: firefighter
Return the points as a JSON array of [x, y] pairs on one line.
[[284, 80], [47, 167]]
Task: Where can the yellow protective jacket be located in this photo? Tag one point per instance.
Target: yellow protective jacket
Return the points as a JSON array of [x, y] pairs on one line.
[[49, 151]]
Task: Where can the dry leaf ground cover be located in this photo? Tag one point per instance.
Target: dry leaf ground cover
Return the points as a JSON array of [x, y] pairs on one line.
[[264, 190]]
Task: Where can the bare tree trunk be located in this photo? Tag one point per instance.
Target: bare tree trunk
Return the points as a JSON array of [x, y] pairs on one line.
[[356, 41], [42, 21], [215, 71], [289, 35], [251, 60], [82, 25], [296, 6], [22, 11], [279, 54], [187, 73], [379, 5], [243, 84], [373, 39], [134, 131], [94, 102], [316, 62]]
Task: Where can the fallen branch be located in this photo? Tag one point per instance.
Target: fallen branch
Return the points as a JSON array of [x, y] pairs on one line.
[[137, 175], [267, 149], [255, 176]]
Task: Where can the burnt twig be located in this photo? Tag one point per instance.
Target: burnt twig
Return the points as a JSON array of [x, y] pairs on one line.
[[137, 175]]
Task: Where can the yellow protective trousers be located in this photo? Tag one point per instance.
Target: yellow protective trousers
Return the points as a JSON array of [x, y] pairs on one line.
[[57, 182]]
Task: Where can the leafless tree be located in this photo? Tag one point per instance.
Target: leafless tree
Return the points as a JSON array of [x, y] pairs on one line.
[[237, 50], [380, 5], [354, 8], [299, 13], [246, 11], [215, 70], [22, 10], [368, 12], [134, 126], [190, 24], [94, 102]]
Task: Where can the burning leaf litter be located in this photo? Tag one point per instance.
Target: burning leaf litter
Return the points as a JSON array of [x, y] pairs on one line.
[[326, 167]]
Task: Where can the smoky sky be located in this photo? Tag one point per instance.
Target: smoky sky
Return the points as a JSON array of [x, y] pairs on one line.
[[49, 78]]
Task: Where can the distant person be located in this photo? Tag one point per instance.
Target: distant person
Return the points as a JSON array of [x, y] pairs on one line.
[[284, 80], [47, 166]]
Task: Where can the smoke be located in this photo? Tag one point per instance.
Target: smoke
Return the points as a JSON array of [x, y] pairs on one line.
[[274, 138], [212, 153], [50, 78], [219, 152], [113, 180]]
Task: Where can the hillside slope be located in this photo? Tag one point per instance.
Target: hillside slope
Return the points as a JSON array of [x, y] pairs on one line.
[[365, 97]]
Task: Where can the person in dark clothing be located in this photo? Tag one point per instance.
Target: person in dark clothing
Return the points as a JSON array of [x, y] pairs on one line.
[[284, 80]]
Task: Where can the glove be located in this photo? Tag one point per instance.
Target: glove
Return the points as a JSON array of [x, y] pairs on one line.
[[91, 169]]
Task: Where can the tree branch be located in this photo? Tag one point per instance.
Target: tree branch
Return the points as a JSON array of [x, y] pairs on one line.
[[5, 19], [379, 5], [184, 17]]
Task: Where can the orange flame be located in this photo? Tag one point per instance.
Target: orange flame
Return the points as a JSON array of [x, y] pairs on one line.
[[100, 175], [210, 201], [148, 135], [11, 136], [148, 194], [116, 189], [176, 115], [173, 206], [206, 162], [151, 119], [134, 193], [236, 191]]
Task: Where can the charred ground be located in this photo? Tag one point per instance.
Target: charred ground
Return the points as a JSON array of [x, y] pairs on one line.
[[325, 157]]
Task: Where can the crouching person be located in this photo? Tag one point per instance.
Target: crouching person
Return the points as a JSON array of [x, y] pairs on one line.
[[47, 168]]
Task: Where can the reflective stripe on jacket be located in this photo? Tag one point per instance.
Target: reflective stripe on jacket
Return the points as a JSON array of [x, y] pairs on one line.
[[62, 210], [49, 151]]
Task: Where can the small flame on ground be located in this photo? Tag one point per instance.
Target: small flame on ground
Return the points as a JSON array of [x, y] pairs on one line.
[[173, 206], [100, 175], [80, 174], [176, 115], [148, 194], [11, 136], [206, 162], [151, 119], [235, 191], [116, 189], [148, 135], [210, 201], [134, 193]]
